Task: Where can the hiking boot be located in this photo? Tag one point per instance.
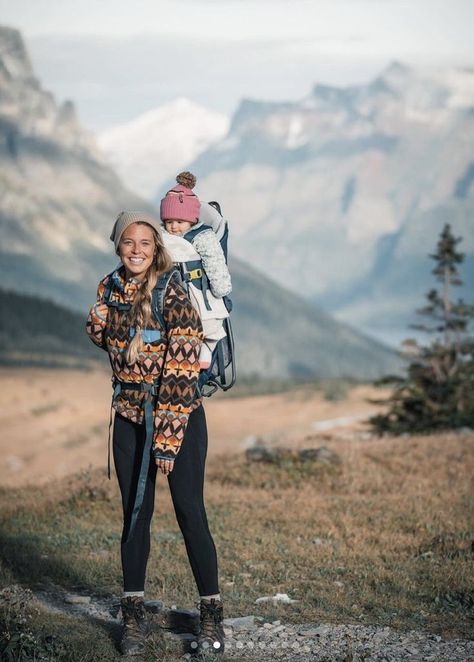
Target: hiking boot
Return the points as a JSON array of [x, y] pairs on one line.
[[211, 634], [135, 627]]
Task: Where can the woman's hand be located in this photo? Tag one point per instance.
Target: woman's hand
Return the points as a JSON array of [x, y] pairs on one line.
[[165, 466], [101, 310]]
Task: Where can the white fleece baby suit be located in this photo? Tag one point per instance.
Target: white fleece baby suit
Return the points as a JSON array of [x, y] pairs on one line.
[[205, 247]]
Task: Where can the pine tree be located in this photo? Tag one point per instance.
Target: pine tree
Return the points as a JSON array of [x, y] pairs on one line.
[[438, 390]]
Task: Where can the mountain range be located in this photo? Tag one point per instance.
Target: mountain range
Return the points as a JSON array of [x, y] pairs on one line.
[[58, 201], [38, 332], [341, 196], [347, 190], [343, 192]]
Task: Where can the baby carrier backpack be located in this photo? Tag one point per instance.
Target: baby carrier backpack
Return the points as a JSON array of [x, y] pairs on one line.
[[221, 373]]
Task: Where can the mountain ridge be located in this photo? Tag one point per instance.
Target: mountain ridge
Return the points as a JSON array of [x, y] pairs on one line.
[[321, 186], [59, 205]]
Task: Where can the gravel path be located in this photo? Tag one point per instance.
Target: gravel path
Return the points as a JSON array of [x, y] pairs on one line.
[[251, 638], [344, 643]]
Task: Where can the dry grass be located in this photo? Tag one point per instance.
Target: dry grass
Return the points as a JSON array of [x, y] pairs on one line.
[[56, 422], [384, 538], [387, 538]]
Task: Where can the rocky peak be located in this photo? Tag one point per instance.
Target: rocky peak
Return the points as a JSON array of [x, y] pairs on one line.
[[59, 199], [428, 89], [397, 72], [332, 95], [14, 61], [26, 110], [251, 112]]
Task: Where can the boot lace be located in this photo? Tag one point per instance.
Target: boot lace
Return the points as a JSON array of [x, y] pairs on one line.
[[133, 616], [210, 619]]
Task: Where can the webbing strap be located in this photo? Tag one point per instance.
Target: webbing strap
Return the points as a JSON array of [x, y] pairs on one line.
[[191, 234], [116, 386], [195, 273], [221, 362], [145, 464], [192, 265], [108, 441], [148, 411], [205, 289]]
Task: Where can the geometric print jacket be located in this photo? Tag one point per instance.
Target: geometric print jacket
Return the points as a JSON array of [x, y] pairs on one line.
[[169, 355]]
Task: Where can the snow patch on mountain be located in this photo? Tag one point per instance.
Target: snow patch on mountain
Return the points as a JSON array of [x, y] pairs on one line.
[[150, 149]]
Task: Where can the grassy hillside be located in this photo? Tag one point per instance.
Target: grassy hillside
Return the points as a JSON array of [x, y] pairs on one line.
[[38, 332], [384, 538], [278, 335]]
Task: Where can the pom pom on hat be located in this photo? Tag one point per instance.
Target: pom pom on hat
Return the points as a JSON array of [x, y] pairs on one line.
[[186, 179]]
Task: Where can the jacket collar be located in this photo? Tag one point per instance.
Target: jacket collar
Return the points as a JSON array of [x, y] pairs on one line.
[[126, 287]]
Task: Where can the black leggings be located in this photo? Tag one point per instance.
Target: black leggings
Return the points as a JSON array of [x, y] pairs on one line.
[[186, 483]]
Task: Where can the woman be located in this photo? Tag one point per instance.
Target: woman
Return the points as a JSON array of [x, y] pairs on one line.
[[155, 369]]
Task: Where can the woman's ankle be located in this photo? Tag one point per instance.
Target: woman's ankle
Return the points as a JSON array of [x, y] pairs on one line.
[[208, 598]]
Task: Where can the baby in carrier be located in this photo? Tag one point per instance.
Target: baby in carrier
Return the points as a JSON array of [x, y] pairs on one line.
[[193, 235]]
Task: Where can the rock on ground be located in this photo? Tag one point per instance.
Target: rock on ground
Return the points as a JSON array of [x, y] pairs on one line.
[[253, 639]]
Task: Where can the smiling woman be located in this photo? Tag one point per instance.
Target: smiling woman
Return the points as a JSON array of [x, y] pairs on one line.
[[159, 415], [137, 249]]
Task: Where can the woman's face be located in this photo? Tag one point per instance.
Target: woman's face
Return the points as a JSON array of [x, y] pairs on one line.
[[137, 249]]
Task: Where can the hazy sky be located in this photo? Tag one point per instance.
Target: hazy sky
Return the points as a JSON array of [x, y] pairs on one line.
[[383, 24], [117, 58]]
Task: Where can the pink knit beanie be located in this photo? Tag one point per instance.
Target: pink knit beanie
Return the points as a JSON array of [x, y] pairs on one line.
[[180, 202]]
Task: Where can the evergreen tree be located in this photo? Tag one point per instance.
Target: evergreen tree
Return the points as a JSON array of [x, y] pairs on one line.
[[438, 390]]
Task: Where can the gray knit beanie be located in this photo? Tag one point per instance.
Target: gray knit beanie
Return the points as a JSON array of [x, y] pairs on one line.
[[126, 218]]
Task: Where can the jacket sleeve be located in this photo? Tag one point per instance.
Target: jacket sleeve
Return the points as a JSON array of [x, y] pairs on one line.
[[95, 325], [213, 262], [180, 372]]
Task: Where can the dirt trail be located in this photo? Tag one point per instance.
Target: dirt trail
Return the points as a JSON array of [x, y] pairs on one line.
[[55, 422]]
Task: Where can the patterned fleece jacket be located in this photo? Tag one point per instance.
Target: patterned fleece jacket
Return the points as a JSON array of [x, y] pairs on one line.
[[170, 356]]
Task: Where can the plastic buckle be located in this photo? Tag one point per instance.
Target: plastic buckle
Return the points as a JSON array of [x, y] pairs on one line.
[[195, 273]]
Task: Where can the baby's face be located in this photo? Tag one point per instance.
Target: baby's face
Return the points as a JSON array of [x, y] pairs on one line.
[[176, 226]]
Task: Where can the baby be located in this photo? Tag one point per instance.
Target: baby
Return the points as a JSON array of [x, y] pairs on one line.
[[191, 239]]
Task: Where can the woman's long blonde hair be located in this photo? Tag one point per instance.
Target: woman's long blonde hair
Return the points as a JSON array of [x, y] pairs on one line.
[[140, 312]]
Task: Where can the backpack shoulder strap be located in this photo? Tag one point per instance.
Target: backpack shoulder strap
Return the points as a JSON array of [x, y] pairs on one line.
[[192, 234], [222, 236], [108, 287], [158, 295]]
